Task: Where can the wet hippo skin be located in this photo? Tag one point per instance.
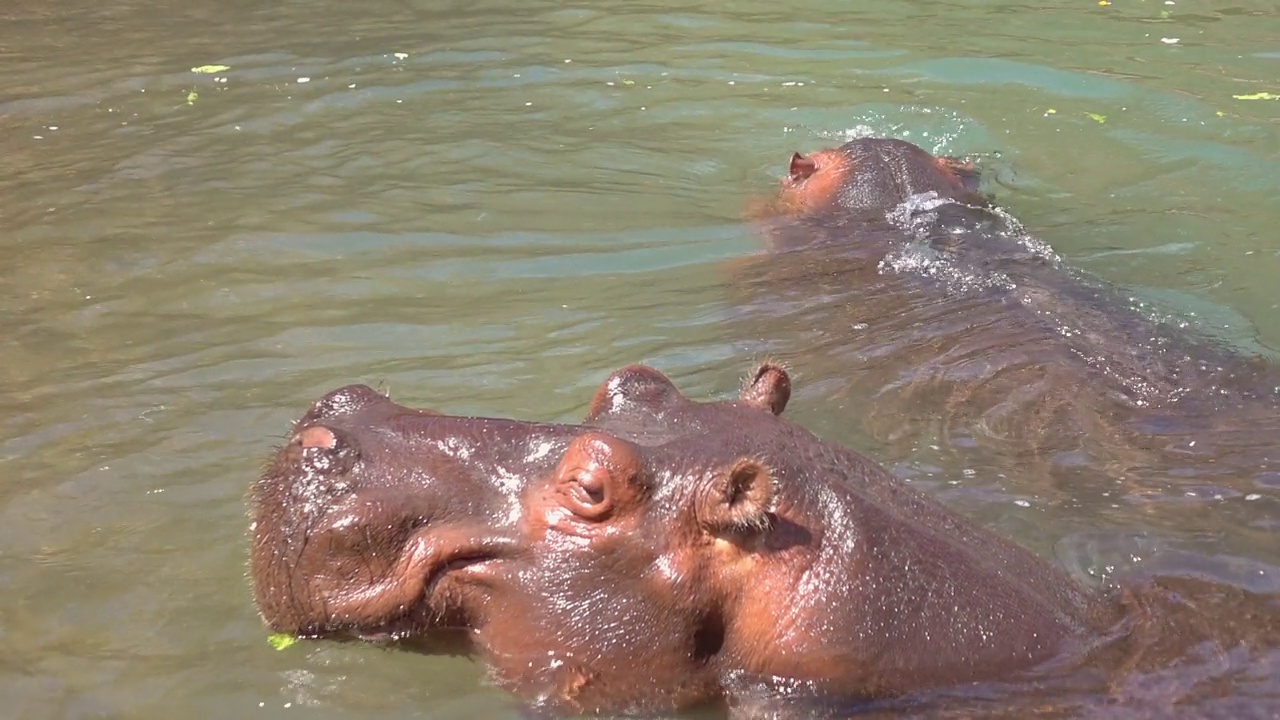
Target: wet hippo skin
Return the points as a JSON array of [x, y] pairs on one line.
[[667, 554], [898, 289]]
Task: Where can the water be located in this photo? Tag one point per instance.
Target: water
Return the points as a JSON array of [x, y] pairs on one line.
[[486, 207]]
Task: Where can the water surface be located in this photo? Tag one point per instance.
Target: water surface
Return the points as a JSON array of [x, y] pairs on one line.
[[485, 207]]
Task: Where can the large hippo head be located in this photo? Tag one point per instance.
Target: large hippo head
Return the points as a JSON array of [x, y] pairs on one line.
[[663, 553]]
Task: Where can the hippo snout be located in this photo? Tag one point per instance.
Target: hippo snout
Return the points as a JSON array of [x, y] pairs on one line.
[[375, 519], [343, 402]]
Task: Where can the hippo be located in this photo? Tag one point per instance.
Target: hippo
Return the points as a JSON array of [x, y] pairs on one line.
[[893, 283], [667, 554]]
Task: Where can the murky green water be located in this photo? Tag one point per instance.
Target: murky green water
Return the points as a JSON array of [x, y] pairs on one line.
[[486, 207]]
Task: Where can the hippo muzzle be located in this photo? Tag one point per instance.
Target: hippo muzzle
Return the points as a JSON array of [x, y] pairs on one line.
[[374, 519]]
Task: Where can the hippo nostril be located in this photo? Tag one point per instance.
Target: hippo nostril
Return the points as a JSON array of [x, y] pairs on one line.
[[316, 437], [318, 449]]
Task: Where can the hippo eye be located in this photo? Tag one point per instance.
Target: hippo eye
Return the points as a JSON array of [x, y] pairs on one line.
[[587, 494], [597, 474]]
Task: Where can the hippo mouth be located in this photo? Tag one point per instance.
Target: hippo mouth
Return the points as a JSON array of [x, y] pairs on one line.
[[474, 562], [446, 573]]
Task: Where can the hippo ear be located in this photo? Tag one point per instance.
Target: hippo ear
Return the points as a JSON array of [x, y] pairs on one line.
[[598, 477], [801, 167], [737, 501], [768, 389]]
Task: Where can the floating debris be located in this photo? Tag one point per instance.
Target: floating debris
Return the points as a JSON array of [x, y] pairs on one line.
[[281, 641]]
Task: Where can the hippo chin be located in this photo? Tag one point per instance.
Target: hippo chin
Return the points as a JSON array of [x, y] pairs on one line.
[[890, 280], [662, 554]]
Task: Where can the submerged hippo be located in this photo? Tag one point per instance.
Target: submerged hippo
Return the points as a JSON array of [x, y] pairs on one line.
[[897, 287], [666, 554]]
